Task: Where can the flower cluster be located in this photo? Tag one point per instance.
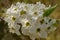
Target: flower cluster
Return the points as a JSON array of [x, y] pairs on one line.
[[30, 16]]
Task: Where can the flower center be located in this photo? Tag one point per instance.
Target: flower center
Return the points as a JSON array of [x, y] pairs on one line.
[[12, 28], [50, 20], [13, 18], [48, 28], [27, 23], [36, 38], [22, 12], [35, 13], [42, 21], [38, 30]]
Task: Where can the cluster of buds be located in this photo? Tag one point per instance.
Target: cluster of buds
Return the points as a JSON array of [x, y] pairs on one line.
[[30, 19]]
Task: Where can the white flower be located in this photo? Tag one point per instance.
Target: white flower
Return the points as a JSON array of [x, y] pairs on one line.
[[43, 34], [36, 30], [31, 18], [15, 29], [23, 14], [51, 29], [42, 27], [12, 10], [25, 31], [47, 7], [25, 23], [12, 24], [49, 21]]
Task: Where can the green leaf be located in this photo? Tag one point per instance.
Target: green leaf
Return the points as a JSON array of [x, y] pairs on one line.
[[49, 11]]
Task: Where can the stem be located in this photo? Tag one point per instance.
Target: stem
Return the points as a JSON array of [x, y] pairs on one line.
[[20, 29]]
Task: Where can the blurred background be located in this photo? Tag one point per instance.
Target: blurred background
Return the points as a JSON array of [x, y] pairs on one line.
[[4, 4]]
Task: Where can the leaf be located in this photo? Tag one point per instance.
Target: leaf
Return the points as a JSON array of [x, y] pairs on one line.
[[49, 11]]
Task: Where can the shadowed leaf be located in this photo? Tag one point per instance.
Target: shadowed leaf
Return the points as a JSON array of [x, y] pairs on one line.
[[49, 11]]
